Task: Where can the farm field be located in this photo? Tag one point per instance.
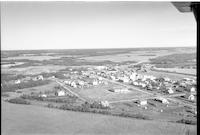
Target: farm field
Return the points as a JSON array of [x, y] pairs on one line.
[[25, 120], [32, 70], [173, 76], [178, 70], [134, 56]]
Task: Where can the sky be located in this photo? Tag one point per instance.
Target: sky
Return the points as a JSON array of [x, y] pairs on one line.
[[83, 25]]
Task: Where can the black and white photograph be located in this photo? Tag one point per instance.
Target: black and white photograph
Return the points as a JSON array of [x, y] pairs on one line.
[[99, 67]]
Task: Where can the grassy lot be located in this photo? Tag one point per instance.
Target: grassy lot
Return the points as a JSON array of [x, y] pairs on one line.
[[26, 120]]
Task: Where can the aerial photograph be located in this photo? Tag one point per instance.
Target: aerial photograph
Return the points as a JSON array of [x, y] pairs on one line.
[[98, 68]]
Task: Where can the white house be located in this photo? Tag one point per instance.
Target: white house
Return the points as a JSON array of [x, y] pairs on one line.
[[43, 95], [73, 84], [142, 102], [193, 89], [60, 93], [191, 97], [17, 81], [95, 82], [100, 78], [170, 91], [135, 83], [105, 103], [40, 77]]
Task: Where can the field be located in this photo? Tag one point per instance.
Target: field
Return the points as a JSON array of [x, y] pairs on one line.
[[32, 70], [173, 76], [178, 70], [103, 93], [26, 120]]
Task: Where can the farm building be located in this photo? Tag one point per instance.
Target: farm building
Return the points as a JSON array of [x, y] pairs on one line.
[[120, 90], [60, 93], [142, 102]]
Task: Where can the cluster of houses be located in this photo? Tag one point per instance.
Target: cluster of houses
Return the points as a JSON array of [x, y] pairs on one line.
[[28, 78], [149, 82]]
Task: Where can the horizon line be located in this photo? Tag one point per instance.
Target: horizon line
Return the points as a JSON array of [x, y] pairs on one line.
[[97, 48]]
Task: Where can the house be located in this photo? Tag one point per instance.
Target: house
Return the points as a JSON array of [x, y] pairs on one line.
[[17, 81], [95, 82], [191, 97], [105, 103], [81, 83], [43, 95], [192, 90], [133, 76], [100, 78], [142, 102], [170, 91], [60, 93], [135, 83], [73, 84], [40, 77]]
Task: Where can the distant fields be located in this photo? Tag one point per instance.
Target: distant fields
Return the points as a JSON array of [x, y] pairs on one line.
[[28, 120]]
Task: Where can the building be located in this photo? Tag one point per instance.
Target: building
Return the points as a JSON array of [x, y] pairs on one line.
[[119, 90], [191, 97], [43, 95], [170, 91], [105, 103], [192, 90], [162, 100], [60, 93], [142, 102], [17, 81], [95, 82]]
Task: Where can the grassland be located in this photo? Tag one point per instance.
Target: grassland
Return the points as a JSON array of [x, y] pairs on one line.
[[27, 120], [182, 60]]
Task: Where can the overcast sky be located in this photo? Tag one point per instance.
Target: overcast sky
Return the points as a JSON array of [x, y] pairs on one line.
[[71, 25]]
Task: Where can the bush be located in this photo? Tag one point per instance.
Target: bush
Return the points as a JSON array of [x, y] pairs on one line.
[[50, 106], [19, 101], [32, 97], [137, 116], [185, 121]]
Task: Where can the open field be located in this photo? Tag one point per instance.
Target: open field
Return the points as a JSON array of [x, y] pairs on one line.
[[178, 70], [40, 58], [31, 70], [172, 76], [133, 56], [103, 93], [26, 120]]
